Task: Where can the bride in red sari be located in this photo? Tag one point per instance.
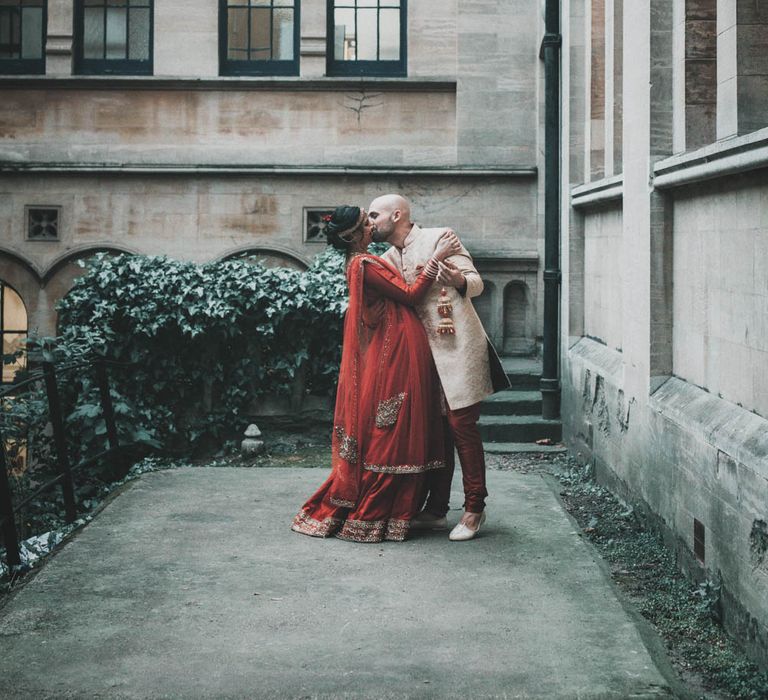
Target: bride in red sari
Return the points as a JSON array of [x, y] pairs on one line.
[[387, 429]]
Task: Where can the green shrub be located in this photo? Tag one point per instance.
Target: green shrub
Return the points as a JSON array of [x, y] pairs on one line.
[[203, 343]]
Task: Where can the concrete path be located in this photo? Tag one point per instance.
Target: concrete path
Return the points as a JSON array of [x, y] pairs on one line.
[[190, 585]]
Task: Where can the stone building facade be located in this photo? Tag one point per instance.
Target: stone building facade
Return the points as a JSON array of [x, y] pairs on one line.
[[187, 129], [664, 349]]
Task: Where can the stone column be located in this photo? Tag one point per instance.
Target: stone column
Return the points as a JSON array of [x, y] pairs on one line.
[[618, 84], [575, 88], [312, 46], [597, 92], [58, 45], [608, 63]]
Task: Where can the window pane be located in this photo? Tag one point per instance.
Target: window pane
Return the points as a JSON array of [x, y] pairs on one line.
[[344, 35], [117, 3], [14, 313], [282, 35], [94, 2], [257, 2], [32, 38], [367, 3], [389, 35], [116, 28], [93, 33], [366, 35], [260, 44], [138, 35], [11, 343], [9, 34], [237, 34]]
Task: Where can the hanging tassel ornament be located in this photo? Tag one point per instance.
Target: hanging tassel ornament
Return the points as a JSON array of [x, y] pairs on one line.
[[445, 309]]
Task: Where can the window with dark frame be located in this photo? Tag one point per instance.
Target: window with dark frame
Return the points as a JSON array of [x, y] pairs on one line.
[[13, 330], [367, 37], [259, 37], [22, 36], [113, 37]]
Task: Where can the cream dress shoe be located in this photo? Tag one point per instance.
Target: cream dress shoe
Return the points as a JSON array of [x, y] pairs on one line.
[[461, 532]]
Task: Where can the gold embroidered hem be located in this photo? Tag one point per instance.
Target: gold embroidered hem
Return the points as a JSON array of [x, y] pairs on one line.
[[388, 410], [404, 468], [341, 503], [307, 525], [397, 530], [363, 530]]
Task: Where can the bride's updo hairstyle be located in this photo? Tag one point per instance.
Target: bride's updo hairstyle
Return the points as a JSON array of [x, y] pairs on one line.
[[342, 227]]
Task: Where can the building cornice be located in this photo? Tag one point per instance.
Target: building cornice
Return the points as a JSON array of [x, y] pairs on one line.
[[730, 157], [593, 194], [218, 83], [18, 167]]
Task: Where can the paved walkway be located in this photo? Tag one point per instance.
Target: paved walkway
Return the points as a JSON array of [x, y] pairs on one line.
[[190, 585]]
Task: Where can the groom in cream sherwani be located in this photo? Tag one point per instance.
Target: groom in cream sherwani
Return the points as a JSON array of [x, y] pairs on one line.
[[466, 362]]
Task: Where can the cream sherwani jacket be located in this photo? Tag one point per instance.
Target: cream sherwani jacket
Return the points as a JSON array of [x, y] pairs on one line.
[[466, 361]]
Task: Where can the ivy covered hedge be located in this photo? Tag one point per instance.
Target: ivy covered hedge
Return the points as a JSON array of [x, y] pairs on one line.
[[204, 343]]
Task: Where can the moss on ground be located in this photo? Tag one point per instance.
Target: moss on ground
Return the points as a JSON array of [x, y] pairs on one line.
[[685, 614]]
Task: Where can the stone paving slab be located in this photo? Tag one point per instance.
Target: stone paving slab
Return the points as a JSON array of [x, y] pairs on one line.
[[191, 585]]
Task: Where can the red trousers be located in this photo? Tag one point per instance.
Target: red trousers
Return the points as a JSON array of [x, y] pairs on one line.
[[462, 433]]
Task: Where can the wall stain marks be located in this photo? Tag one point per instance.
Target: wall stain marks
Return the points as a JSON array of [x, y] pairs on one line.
[[586, 392], [623, 410], [361, 101], [600, 406], [758, 544]]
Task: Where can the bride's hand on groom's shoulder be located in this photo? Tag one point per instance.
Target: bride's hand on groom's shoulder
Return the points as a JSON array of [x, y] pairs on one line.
[[448, 244]]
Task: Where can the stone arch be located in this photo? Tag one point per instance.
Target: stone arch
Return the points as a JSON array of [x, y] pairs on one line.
[[484, 305], [23, 277], [14, 328], [61, 274], [518, 338], [271, 256], [81, 252]]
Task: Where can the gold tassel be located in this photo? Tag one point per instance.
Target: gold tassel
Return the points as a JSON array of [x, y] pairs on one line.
[[445, 309]]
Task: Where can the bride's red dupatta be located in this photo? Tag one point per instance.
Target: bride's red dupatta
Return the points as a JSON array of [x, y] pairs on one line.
[[348, 419]]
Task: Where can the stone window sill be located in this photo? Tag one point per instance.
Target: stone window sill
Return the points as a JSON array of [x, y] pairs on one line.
[[158, 82], [739, 154], [592, 194]]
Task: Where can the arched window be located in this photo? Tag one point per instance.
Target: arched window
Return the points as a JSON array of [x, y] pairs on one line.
[[13, 329]]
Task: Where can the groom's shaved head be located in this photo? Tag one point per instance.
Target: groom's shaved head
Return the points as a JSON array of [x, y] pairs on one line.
[[391, 217], [390, 203]]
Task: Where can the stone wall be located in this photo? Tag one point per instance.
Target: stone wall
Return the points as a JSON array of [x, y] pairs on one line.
[[196, 166], [210, 126], [721, 290], [603, 290], [666, 262], [203, 218]]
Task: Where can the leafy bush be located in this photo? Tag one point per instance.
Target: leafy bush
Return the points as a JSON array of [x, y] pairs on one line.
[[201, 343]]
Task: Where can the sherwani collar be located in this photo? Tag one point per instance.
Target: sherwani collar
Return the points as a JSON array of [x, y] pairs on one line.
[[413, 234]]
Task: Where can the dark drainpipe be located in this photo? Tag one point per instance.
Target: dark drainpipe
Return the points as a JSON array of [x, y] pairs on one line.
[[550, 53]]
